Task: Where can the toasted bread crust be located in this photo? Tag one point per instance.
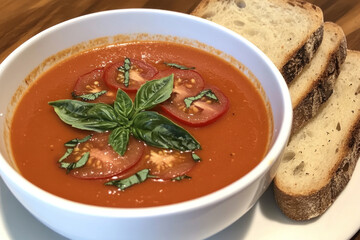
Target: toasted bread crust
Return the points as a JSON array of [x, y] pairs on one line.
[[304, 207], [296, 51], [321, 157], [321, 90], [303, 56]]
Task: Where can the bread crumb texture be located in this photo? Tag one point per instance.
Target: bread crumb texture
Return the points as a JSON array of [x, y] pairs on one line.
[[268, 24], [317, 151], [314, 85]]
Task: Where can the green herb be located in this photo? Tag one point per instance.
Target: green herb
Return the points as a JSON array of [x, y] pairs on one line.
[[90, 96], [126, 118], [207, 93], [151, 94], [72, 143], [126, 70], [98, 117], [137, 178], [179, 178], [174, 65], [195, 157], [123, 106], [158, 131], [119, 139], [78, 164], [67, 153]]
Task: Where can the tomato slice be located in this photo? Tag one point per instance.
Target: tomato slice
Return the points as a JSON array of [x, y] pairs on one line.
[[104, 162], [186, 82], [168, 164], [201, 112], [93, 82], [140, 72], [163, 164]]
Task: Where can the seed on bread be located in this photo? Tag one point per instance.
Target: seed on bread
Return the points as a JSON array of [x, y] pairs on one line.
[[299, 168]]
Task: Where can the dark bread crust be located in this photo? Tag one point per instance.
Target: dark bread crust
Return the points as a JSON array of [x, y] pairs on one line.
[[321, 90], [303, 56], [304, 207]]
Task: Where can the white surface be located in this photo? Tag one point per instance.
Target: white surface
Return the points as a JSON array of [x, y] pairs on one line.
[[263, 221]]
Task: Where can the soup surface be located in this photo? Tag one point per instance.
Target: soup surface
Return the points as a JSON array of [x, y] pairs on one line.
[[233, 134]]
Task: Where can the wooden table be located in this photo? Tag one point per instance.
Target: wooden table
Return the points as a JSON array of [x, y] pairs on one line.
[[22, 19]]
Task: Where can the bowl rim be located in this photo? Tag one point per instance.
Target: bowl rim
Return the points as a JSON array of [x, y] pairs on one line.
[[6, 171]]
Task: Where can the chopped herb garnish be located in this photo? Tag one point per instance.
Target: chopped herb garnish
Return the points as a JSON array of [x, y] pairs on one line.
[[72, 143], [174, 65], [179, 178], [67, 153], [126, 70], [137, 178], [205, 93], [78, 164], [88, 97], [195, 157], [125, 118]]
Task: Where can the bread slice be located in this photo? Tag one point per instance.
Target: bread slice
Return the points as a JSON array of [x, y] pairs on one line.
[[314, 85], [287, 31], [321, 157]]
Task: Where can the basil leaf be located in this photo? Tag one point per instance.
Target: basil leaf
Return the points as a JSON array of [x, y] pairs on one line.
[[123, 106], [88, 97], [158, 131], [137, 178], [119, 139], [72, 143], [179, 178], [67, 153], [195, 157], [78, 164], [207, 93], [174, 65], [154, 92], [103, 111], [97, 117]]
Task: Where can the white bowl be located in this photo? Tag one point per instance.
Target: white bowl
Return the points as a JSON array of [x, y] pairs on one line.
[[195, 219]]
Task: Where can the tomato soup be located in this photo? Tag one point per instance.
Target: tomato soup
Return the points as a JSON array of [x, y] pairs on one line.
[[184, 123]]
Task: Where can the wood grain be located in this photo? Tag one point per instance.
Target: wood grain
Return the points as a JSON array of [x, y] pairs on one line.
[[346, 14], [22, 19]]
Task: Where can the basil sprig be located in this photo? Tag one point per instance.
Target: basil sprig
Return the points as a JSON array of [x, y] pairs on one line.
[[126, 118], [207, 93]]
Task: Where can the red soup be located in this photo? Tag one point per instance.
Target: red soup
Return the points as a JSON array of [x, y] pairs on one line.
[[139, 124]]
